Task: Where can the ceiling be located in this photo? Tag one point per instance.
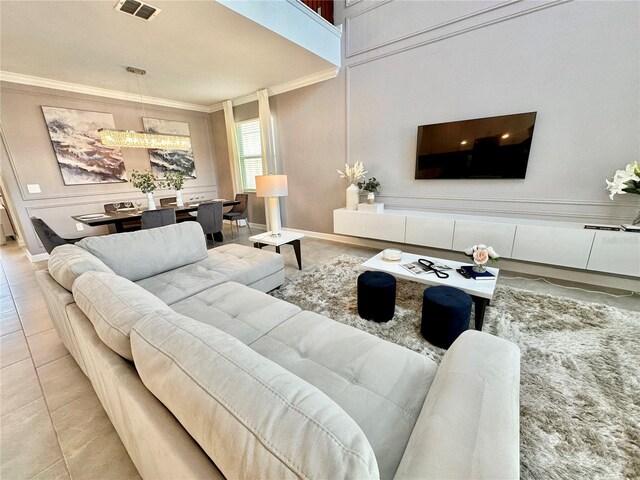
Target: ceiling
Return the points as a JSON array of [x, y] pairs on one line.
[[197, 52]]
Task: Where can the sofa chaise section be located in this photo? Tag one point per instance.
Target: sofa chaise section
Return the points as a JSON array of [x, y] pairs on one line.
[[173, 262], [381, 385]]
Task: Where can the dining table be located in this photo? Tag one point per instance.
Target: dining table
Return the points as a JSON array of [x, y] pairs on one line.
[[122, 215]]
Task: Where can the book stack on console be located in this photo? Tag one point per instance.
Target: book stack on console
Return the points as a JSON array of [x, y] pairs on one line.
[[631, 228], [486, 275]]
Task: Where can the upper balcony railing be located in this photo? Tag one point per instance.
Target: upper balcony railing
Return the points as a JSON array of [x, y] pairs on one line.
[[324, 8]]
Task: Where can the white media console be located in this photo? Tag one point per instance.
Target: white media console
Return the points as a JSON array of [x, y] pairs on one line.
[[554, 243]]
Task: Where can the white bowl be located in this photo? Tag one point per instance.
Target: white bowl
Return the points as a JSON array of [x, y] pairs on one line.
[[392, 255]]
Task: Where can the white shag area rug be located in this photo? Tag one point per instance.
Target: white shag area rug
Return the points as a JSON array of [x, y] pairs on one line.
[[580, 367]]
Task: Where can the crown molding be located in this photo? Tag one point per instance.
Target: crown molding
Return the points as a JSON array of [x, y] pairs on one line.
[[96, 91], [283, 87], [19, 78]]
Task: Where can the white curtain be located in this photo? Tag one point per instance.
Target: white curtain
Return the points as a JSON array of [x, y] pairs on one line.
[[268, 149], [234, 166], [266, 131]]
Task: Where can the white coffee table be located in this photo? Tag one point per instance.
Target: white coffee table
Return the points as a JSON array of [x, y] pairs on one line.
[[286, 237], [481, 291]]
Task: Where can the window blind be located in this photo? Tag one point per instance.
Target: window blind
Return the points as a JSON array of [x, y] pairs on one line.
[[249, 152]]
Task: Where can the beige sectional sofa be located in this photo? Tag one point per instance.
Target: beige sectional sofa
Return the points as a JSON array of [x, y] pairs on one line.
[[205, 376]]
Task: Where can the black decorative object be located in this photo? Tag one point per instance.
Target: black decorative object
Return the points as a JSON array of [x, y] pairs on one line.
[[376, 296], [445, 314]]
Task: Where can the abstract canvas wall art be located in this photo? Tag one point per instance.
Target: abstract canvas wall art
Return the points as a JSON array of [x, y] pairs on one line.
[[81, 156], [163, 161]]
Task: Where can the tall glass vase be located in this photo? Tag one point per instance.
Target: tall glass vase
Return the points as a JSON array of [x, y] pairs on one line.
[[151, 203], [353, 197], [179, 202]]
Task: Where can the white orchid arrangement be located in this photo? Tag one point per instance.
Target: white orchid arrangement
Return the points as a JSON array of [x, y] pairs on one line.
[[625, 181], [481, 254], [353, 174]]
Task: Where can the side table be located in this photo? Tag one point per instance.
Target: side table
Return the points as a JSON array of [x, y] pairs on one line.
[[285, 238]]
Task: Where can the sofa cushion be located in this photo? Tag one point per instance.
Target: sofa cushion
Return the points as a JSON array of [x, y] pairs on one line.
[[381, 385], [240, 311], [182, 282], [68, 262], [252, 417], [141, 254], [245, 265], [114, 304]]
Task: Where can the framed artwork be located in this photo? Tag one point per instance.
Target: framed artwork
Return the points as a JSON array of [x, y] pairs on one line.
[[163, 161], [81, 156]]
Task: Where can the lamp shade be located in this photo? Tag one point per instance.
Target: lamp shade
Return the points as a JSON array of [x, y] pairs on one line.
[[271, 186]]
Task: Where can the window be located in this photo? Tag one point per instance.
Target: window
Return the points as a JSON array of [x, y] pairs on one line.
[[249, 152]]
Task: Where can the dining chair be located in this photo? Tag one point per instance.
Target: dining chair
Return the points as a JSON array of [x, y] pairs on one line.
[[158, 218], [127, 225], [167, 201], [180, 216], [49, 238], [239, 212], [210, 219]]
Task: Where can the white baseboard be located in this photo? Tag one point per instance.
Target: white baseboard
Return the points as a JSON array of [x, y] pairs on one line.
[[561, 273], [39, 257]]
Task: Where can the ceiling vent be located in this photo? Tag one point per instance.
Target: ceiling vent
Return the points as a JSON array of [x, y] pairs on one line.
[[137, 9]]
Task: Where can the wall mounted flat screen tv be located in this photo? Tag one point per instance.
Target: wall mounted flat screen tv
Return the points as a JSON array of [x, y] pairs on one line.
[[481, 148]]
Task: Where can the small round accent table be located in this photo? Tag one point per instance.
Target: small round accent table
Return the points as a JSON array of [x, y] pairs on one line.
[[445, 314], [376, 296]]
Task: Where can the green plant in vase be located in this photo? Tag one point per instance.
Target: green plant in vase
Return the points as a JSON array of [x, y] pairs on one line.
[[371, 186], [147, 183], [175, 180]]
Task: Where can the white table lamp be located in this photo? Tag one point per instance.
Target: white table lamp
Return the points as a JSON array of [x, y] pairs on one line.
[[272, 187]]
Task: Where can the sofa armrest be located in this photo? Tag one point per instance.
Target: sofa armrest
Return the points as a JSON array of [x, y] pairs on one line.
[[469, 426]]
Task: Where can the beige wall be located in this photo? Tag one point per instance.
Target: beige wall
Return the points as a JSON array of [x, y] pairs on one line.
[[28, 157], [310, 134]]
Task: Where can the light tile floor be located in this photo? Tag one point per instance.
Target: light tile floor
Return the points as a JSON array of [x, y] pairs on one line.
[[53, 426]]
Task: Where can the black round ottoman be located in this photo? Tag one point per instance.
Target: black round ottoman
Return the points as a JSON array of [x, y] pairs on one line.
[[445, 314], [376, 296]]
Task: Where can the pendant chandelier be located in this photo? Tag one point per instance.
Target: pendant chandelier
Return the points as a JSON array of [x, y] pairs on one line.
[[132, 139]]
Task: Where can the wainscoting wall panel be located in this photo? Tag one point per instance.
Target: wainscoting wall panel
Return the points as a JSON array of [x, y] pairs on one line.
[[502, 58]]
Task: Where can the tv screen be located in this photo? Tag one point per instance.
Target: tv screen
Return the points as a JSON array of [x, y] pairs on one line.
[[481, 148]]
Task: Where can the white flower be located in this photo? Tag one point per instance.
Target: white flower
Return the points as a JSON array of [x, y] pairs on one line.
[[628, 174], [492, 253], [468, 251], [481, 246], [615, 188], [353, 174], [623, 179]]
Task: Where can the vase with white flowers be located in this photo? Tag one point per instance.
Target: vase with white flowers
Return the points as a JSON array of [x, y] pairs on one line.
[[626, 181], [147, 183], [353, 174], [481, 254], [175, 180]]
